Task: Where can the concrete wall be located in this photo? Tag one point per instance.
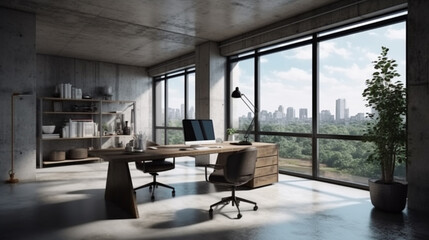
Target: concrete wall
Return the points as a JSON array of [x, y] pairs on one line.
[[418, 99], [210, 91], [128, 83], [17, 75], [210, 86]]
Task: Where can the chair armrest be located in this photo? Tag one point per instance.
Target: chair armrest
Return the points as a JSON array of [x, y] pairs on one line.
[[214, 166]]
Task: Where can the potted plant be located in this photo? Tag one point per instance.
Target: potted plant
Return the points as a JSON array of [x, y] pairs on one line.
[[231, 132], [387, 130]]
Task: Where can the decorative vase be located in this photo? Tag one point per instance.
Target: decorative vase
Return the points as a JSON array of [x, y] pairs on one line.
[[232, 137], [388, 197], [126, 130]]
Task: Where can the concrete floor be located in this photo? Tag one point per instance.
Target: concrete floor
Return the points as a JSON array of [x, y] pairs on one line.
[[67, 202]]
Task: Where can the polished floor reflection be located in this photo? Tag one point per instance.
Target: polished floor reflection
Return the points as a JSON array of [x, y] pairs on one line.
[[67, 202]]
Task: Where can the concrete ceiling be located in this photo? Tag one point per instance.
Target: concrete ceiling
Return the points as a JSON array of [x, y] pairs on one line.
[[147, 32]]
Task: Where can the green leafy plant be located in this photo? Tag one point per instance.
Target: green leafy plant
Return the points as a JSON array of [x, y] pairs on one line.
[[230, 131], [387, 128]]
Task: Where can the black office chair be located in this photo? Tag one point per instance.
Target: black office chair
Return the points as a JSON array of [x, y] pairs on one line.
[[236, 170], [153, 167]]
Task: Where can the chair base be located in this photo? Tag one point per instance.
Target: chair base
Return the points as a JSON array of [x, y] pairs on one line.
[[235, 201], [154, 184]]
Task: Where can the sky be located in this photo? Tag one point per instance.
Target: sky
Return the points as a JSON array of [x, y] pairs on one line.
[[344, 65], [286, 77]]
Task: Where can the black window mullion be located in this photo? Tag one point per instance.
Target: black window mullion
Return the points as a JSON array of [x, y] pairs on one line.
[[165, 109], [315, 107], [257, 95], [185, 115]]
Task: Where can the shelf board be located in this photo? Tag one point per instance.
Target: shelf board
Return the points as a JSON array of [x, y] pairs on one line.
[[48, 163], [70, 113], [117, 101], [70, 99], [86, 100], [76, 138], [120, 135]]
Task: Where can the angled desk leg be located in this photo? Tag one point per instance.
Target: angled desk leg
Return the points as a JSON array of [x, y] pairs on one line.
[[119, 187]]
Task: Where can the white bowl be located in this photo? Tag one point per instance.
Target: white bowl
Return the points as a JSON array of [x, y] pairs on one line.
[[48, 129]]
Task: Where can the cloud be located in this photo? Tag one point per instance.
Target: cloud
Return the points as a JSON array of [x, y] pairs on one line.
[[395, 34], [326, 49], [330, 48], [301, 53], [293, 74], [353, 72]]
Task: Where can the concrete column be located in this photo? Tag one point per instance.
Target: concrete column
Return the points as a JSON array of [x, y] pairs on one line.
[[210, 88], [418, 99], [17, 75]]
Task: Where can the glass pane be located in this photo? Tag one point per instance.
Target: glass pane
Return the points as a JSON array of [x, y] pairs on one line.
[[345, 64], [191, 96], [294, 153], [286, 91], [159, 103], [242, 76], [345, 160], [176, 101], [175, 136], [160, 136]]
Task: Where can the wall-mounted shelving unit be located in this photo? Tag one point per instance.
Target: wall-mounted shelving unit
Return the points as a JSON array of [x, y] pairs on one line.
[[106, 116]]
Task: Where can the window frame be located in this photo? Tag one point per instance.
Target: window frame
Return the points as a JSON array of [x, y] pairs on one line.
[[314, 39], [165, 77]]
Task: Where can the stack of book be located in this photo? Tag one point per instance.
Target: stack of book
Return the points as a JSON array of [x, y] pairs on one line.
[[79, 128], [50, 135], [67, 91]]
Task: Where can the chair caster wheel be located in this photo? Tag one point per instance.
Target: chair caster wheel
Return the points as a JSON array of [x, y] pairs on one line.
[[255, 208], [239, 216], [173, 193], [211, 213], [152, 198]]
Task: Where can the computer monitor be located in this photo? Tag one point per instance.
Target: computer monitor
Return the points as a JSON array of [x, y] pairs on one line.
[[198, 131]]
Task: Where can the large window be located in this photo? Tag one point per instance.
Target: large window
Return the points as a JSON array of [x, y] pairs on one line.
[[308, 93], [174, 100]]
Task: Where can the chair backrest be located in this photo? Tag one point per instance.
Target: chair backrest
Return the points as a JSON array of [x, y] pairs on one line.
[[141, 164], [240, 166]]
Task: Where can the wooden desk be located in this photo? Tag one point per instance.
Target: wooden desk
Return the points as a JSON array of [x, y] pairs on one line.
[[119, 186]]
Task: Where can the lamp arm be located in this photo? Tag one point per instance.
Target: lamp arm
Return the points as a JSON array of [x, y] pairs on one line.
[[252, 109], [246, 136], [247, 104]]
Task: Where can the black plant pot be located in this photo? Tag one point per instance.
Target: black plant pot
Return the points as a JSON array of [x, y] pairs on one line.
[[388, 197]]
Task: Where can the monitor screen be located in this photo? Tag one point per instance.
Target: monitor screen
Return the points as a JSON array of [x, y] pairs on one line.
[[198, 131]]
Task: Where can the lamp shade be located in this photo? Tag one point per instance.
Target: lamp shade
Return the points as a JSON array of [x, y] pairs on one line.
[[236, 93]]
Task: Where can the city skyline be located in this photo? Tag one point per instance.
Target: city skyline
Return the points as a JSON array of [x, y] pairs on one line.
[[325, 115]]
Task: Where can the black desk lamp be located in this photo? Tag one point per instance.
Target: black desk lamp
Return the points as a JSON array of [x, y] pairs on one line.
[[237, 94]]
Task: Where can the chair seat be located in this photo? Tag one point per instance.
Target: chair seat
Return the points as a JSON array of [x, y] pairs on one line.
[[218, 177], [155, 166]]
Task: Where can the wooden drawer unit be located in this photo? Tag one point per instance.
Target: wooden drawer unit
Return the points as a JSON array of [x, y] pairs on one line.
[[267, 166]]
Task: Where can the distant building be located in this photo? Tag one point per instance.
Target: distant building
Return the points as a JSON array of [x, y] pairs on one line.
[[358, 117], [303, 114], [341, 112], [281, 109], [326, 116], [290, 113]]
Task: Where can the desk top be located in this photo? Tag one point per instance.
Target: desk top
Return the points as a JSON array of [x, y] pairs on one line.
[[170, 151]]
